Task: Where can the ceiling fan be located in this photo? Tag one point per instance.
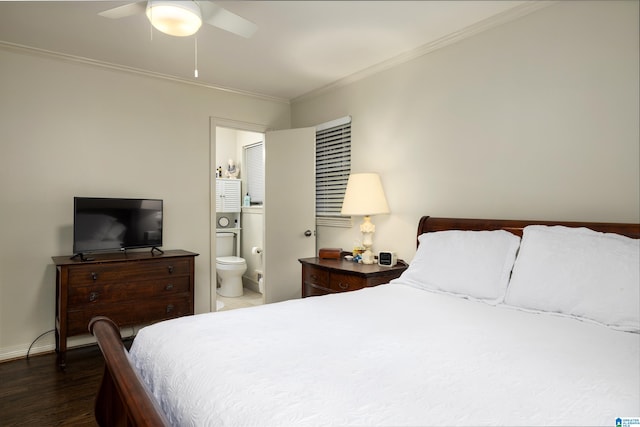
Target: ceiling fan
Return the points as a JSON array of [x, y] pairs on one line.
[[184, 18]]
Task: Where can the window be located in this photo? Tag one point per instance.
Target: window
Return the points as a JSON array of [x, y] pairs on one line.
[[254, 161], [333, 165]]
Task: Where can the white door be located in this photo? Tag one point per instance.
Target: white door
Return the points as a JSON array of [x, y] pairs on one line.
[[289, 210]]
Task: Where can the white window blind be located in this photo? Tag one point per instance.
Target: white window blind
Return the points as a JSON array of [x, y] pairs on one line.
[[254, 167], [333, 165]]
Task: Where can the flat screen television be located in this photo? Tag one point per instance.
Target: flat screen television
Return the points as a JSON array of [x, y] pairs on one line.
[[106, 224]]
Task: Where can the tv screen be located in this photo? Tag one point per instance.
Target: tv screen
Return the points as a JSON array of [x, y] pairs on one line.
[[101, 224]]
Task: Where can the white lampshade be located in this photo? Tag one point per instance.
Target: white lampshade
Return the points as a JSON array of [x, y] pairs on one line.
[[364, 195], [176, 18]]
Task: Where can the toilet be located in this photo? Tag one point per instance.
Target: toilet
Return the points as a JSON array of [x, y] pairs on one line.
[[229, 268]]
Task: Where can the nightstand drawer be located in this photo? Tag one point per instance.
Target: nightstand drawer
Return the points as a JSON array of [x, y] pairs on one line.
[[312, 290], [327, 276], [316, 276], [341, 282]]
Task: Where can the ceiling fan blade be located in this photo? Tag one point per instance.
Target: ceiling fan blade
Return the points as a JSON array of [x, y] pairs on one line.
[[124, 11], [220, 17]]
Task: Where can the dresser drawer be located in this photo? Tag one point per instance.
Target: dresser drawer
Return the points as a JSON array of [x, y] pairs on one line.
[[341, 282], [129, 313], [123, 291], [116, 272]]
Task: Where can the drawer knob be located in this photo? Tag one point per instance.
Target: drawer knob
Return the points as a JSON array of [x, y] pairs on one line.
[[169, 286], [169, 308], [94, 276], [93, 296], [343, 286], [170, 269], [314, 277]]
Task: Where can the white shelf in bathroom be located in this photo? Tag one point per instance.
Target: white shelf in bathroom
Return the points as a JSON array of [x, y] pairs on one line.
[[228, 230]]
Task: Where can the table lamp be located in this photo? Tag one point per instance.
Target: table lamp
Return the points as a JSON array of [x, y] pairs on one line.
[[365, 196]]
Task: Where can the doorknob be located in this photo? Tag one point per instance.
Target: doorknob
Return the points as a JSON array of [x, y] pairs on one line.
[[308, 233]]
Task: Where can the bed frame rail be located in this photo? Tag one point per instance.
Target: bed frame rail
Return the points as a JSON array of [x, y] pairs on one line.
[[123, 399]]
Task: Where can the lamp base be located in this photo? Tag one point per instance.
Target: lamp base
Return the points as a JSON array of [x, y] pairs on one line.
[[367, 229], [368, 257]]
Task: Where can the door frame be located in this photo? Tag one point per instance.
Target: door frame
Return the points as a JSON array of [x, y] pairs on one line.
[[215, 122]]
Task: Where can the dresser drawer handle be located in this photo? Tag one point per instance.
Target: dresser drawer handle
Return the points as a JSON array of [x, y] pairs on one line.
[[314, 277], [343, 286], [169, 287], [169, 308], [93, 296], [94, 276], [170, 269]]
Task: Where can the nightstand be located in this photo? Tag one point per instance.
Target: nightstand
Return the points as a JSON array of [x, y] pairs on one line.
[[326, 276]]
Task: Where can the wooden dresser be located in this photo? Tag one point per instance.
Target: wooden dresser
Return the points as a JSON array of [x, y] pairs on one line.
[[325, 276], [132, 288]]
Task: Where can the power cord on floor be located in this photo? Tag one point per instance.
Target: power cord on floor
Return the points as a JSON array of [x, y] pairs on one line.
[[34, 341], [130, 337]]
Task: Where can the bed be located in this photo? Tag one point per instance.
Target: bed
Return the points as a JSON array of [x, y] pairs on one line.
[[495, 322]]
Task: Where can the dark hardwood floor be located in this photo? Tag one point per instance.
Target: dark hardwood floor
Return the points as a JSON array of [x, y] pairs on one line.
[[35, 392]]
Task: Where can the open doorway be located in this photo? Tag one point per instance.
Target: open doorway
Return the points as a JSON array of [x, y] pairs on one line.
[[237, 223], [288, 213]]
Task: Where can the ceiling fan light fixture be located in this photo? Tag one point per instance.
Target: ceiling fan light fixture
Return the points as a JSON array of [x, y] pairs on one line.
[[176, 18]]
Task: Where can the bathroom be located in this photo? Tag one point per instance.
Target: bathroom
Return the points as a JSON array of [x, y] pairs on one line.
[[235, 145]]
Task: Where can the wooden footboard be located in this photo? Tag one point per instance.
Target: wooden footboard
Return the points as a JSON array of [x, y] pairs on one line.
[[123, 399]]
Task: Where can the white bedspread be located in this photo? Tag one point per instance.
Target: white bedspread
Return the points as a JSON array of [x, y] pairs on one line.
[[390, 355]]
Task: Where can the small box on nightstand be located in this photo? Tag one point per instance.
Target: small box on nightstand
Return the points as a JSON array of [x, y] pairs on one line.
[[329, 253]]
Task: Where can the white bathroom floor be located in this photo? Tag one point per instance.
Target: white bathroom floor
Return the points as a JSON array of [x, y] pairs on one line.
[[248, 299]]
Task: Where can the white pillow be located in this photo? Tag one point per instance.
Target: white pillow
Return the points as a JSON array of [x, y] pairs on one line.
[[578, 272], [469, 263]]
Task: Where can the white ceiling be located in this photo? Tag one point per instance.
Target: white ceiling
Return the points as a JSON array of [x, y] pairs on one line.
[[300, 46]]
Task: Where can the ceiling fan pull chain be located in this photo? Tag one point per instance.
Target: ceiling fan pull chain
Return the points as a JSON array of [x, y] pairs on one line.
[[195, 72]]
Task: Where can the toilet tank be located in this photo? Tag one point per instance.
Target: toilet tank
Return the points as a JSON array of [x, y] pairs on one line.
[[225, 244]]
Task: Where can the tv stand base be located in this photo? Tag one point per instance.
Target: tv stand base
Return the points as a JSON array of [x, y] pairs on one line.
[[82, 257]]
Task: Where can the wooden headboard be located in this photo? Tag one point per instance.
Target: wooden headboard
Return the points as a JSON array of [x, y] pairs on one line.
[[430, 224]]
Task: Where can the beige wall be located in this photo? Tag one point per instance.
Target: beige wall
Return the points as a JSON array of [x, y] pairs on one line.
[[71, 129], [535, 119]]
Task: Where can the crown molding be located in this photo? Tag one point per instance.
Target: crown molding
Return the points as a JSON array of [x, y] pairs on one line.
[[484, 25], [101, 64]]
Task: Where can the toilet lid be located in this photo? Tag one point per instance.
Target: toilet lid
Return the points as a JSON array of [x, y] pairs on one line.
[[230, 260]]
